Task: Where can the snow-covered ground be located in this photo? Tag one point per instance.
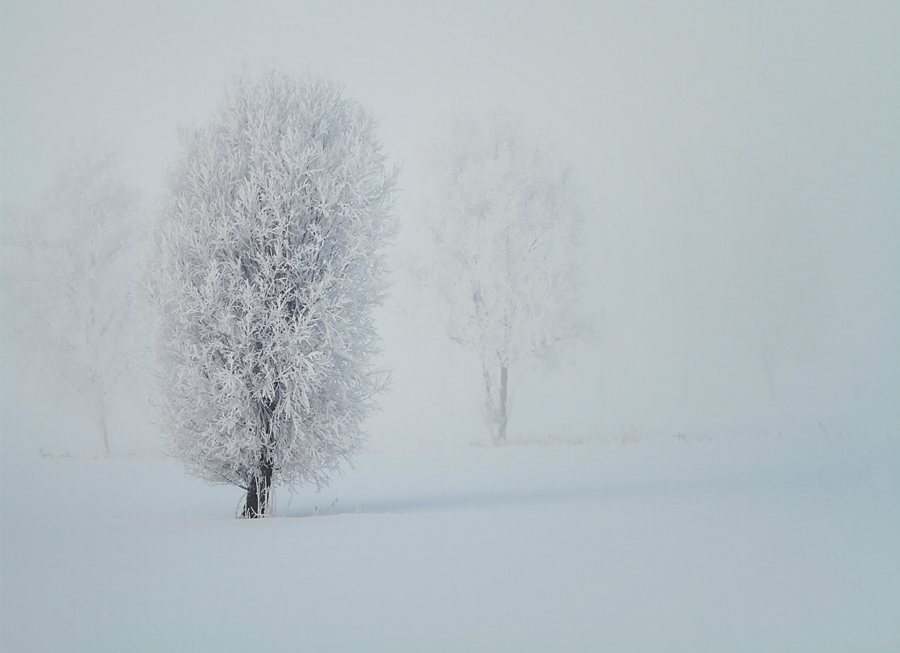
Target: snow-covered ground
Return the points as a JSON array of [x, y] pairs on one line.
[[720, 544]]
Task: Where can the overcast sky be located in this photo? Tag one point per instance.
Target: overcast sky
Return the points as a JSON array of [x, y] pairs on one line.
[[740, 165]]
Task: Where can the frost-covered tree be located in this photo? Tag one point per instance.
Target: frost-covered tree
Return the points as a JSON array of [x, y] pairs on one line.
[[501, 256], [270, 261], [67, 273]]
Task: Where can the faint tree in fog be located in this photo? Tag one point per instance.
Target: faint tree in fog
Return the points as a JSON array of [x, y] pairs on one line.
[[270, 261], [67, 273], [502, 251]]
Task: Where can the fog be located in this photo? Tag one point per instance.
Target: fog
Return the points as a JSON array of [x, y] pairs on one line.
[[739, 166], [714, 468]]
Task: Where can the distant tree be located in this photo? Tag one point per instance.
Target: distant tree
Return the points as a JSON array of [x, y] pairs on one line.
[[502, 251], [270, 261], [67, 269]]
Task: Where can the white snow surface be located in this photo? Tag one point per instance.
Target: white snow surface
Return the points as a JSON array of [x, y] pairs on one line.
[[721, 544]]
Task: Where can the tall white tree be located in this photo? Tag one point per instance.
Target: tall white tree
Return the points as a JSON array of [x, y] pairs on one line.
[[270, 261], [501, 252], [67, 272]]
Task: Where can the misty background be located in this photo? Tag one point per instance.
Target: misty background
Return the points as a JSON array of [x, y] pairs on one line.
[[739, 168]]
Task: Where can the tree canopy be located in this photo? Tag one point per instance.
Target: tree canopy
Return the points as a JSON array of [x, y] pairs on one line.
[[270, 260]]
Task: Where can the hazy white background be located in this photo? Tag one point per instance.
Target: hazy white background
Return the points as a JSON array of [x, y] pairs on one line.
[[740, 165]]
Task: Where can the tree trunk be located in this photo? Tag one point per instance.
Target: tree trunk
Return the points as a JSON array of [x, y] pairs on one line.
[[104, 435], [101, 423], [501, 427], [258, 493], [498, 413]]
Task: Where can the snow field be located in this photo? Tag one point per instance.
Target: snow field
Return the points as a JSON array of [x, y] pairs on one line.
[[754, 544]]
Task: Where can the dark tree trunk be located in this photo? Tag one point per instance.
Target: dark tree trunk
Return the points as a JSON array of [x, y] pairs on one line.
[[258, 493]]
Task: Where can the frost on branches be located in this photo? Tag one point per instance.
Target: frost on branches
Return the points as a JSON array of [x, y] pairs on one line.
[[67, 272], [269, 264], [502, 237]]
